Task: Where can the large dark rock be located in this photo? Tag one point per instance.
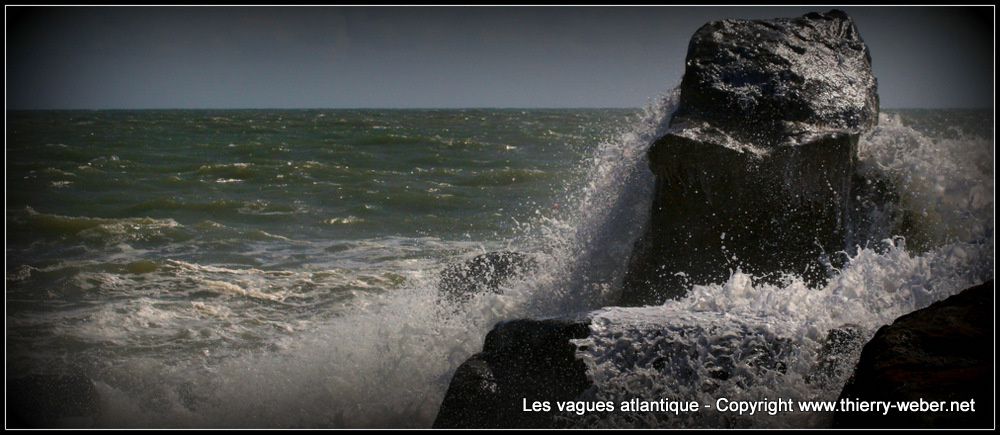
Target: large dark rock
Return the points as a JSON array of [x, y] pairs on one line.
[[638, 352], [941, 353], [756, 169], [521, 359], [483, 273], [773, 83]]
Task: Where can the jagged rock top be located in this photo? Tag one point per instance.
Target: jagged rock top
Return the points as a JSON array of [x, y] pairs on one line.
[[760, 84]]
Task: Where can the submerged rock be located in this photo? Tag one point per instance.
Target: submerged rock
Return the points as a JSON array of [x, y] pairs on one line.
[[483, 273], [521, 359], [941, 353], [757, 166], [684, 355], [612, 355]]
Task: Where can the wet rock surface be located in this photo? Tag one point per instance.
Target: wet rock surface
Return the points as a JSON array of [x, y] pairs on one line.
[[770, 83], [644, 354], [756, 169], [521, 359], [647, 353], [941, 353]]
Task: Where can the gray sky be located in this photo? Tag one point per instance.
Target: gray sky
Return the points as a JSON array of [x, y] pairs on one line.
[[297, 57]]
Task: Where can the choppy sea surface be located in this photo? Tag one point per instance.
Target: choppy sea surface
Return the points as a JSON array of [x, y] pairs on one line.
[[259, 268]]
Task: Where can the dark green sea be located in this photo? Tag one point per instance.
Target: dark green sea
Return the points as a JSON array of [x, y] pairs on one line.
[[280, 267]]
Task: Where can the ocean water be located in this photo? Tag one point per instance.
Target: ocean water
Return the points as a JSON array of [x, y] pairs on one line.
[[262, 268]]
